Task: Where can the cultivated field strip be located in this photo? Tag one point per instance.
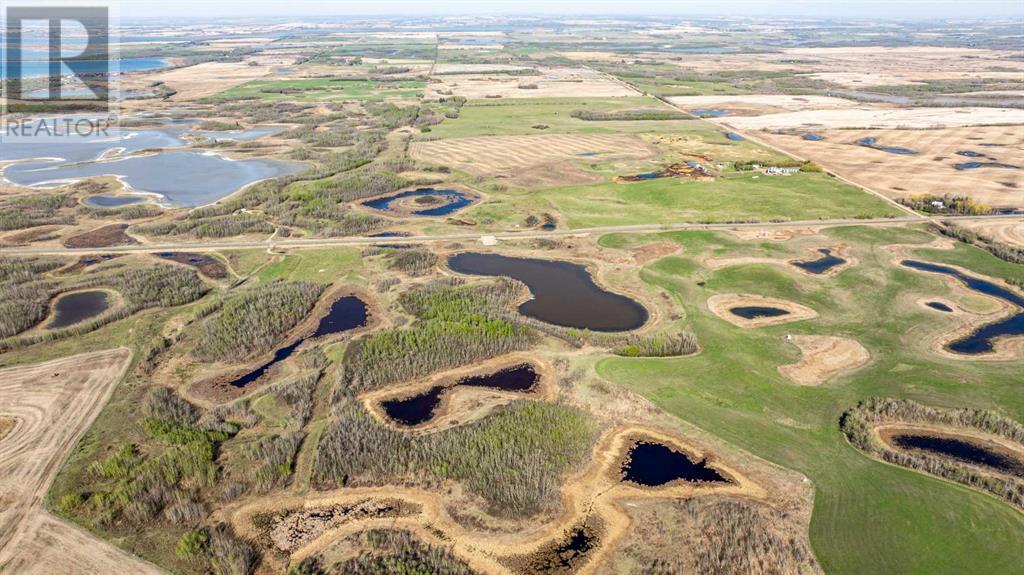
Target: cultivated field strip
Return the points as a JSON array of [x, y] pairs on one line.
[[53, 403]]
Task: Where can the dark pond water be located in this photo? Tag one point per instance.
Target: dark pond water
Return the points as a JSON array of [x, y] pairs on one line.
[[654, 464], [569, 552], [112, 201], [981, 341], [548, 227], [708, 113], [77, 307], [821, 265], [453, 200], [937, 305], [208, 265], [976, 165], [970, 154], [966, 451], [755, 311], [517, 378], [735, 137], [650, 176], [416, 409], [343, 316], [563, 293], [873, 143], [813, 137]]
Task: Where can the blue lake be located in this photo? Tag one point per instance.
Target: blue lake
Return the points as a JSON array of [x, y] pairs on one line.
[[456, 200]]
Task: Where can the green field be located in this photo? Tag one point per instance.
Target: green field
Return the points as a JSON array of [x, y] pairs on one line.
[[323, 90], [869, 517], [514, 117]]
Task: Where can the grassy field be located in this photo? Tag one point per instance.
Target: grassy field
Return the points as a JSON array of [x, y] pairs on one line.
[[869, 517], [322, 90], [734, 198], [316, 265], [518, 116]]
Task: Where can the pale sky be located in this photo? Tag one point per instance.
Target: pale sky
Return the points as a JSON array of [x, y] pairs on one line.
[[886, 9]]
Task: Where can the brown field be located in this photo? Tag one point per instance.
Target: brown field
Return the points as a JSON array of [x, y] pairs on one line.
[[544, 159], [552, 83], [54, 403], [202, 80], [929, 171], [759, 104], [824, 357], [105, 236], [1007, 232], [880, 117]]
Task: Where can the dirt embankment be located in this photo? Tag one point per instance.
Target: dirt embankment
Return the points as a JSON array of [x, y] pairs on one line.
[[824, 357], [53, 403]]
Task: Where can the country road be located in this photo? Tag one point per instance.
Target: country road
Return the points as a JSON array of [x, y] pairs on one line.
[[201, 246]]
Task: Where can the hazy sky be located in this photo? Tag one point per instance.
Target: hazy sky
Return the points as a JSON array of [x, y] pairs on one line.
[[897, 9]]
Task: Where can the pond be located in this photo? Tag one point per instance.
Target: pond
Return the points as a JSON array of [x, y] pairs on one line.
[[652, 464], [346, 313], [708, 113], [755, 311], [822, 264], [961, 449], [77, 307], [564, 293], [976, 165], [181, 178], [209, 266], [417, 409], [813, 137], [450, 201], [873, 144], [981, 340], [939, 306], [112, 201], [735, 137], [970, 154]]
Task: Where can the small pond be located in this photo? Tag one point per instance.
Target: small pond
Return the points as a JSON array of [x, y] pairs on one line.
[[653, 464], [981, 341], [346, 313], [708, 113], [418, 409], [976, 165], [112, 201], [77, 307], [813, 137], [735, 137], [821, 265], [970, 154], [938, 305], [960, 449], [450, 201], [756, 311], [873, 144], [209, 266], [564, 293]]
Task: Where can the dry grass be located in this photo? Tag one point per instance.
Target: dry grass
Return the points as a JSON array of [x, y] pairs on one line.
[[929, 171], [551, 83], [202, 80], [1006, 232], [523, 160], [866, 116]]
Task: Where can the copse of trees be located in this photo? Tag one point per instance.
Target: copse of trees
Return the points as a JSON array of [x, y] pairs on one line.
[[255, 320], [1005, 252], [456, 325], [858, 425], [514, 459], [35, 209]]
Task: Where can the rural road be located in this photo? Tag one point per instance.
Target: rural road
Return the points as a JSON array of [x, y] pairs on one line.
[[362, 241]]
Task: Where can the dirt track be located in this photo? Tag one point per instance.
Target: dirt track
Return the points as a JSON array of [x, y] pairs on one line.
[[53, 403]]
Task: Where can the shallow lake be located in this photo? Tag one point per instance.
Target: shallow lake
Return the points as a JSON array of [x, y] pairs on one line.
[[981, 341], [242, 135], [77, 307], [564, 293], [653, 464], [822, 264], [936, 305], [112, 201], [183, 178], [961, 449]]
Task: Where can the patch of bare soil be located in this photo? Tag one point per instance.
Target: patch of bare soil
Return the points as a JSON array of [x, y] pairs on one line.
[[289, 530], [6, 425], [657, 250], [55, 402], [824, 357], [102, 237], [772, 234], [721, 304]]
